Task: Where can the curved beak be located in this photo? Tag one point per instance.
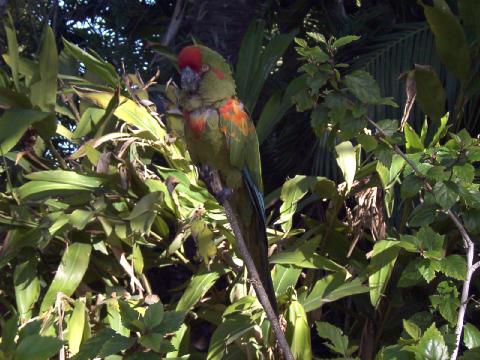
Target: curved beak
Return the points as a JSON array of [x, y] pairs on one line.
[[189, 79]]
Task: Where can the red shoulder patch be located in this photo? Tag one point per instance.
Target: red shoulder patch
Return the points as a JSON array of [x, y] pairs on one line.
[[233, 111], [190, 56], [197, 123], [219, 74]]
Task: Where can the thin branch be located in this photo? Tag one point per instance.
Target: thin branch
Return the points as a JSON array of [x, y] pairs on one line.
[[217, 189], [467, 244], [57, 155], [175, 22]]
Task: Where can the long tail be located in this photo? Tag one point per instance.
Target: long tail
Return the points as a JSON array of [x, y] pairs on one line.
[[256, 234]]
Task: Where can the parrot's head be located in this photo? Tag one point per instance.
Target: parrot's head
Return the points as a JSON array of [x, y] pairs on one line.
[[205, 73]]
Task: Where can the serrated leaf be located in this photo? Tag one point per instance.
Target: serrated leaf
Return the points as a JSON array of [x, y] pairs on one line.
[[471, 336], [422, 215], [339, 342], [154, 315], [363, 86], [431, 346], [446, 194], [454, 266]]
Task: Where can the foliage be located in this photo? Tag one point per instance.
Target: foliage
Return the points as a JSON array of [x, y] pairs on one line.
[[118, 250]]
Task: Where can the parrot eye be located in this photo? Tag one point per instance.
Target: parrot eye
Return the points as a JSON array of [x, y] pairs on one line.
[[205, 68]]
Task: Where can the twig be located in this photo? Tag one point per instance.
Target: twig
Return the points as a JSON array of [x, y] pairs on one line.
[[57, 155], [217, 189], [175, 22], [467, 244]]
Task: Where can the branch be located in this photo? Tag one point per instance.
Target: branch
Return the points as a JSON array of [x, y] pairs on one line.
[[175, 22], [217, 188], [467, 244]]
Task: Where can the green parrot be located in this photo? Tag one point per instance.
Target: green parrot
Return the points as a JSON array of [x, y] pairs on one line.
[[220, 134]]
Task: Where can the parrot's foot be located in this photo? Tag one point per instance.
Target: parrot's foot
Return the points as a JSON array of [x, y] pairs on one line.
[[224, 195], [206, 173]]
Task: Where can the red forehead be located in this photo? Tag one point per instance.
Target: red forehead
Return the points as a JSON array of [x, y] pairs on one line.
[[190, 56]]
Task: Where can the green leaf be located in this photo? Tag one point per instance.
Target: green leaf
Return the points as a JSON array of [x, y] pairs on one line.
[[424, 214], [293, 190], [36, 347], [128, 111], [76, 327], [465, 173], [106, 342], [332, 288], [446, 301], [454, 266], [304, 258], [14, 123], [413, 141], [114, 317], [154, 315], [27, 287], [284, 276], [69, 274], [272, 52], [473, 354], [431, 346], [412, 329], [384, 255], [446, 194], [44, 91], [450, 41], [298, 331], [363, 86], [428, 269], [338, 341], [80, 218], [431, 242], [143, 214], [12, 51], [410, 275], [347, 161], [101, 68], [430, 93], [131, 318], [198, 286], [66, 177], [203, 235], [90, 117], [411, 186], [345, 40], [441, 131], [470, 13], [276, 107], [471, 336], [230, 330]]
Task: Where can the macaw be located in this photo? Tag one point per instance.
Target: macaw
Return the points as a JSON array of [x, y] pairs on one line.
[[221, 135]]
